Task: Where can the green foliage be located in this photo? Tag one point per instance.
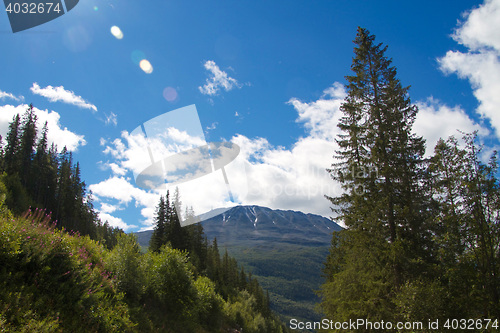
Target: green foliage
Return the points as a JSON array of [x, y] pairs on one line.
[[125, 263], [209, 303], [52, 281], [360, 288], [416, 300], [467, 193], [4, 211], [55, 281], [170, 282]]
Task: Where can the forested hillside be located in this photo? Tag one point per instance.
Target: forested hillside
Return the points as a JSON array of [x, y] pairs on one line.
[[36, 175], [423, 234], [63, 270]]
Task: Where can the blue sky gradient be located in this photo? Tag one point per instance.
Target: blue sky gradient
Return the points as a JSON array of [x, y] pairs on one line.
[[266, 75]]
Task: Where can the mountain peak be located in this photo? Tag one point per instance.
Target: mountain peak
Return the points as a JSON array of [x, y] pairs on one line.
[[256, 223]]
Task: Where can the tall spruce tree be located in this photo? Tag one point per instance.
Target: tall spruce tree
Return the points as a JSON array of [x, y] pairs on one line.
[[158, 238], [27, 147], [380, 166], [12, 161]]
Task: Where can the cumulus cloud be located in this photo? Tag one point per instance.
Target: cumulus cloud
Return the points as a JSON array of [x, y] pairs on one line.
[[59, 135], [317, 116], [217, 80], [480, 33], [114, 221], [436, 120], [120, 189], [55, 94]]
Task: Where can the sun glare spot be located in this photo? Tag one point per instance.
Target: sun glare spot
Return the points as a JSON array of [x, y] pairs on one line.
[[170, 94], [146, 66], [115, 31]]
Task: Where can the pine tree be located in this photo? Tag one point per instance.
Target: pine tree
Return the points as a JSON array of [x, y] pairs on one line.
[[41, 163], [12, 162], [177, 235], [27, 147], [158, 238], [380, 166], [482, 206]]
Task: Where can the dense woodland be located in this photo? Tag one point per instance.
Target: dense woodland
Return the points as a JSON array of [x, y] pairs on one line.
[[36, 175], [63, 270], [422, 237]]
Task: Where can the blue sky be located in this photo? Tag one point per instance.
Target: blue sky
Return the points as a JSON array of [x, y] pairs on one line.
[[265, 75]]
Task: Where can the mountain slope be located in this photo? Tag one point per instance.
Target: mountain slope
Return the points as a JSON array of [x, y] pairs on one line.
[[261, 224]]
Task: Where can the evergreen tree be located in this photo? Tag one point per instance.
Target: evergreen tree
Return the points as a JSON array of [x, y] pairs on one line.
[[11, 161], [158, 238], [27, 147], [177, 235], [41, 165], [467, 193], [380, 166], [2, 155]]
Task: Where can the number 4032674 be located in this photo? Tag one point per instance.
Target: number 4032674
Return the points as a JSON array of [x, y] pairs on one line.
[[33, 8]]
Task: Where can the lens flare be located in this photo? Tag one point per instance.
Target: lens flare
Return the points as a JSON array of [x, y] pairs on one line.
[[170, 94], [115, 31], [146, 66], [77, 39]]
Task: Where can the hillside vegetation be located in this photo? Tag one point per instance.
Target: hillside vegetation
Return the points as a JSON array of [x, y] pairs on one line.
[[63, 270], [55, 281]]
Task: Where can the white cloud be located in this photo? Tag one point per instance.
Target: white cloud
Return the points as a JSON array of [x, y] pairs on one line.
[[55, 94], [57, 134], [318, 116], [436, 120], [481, 28], [134, 151], [115, 168], [4, 95], [217, 80], [115, 221], [212, 127], [112, 118], [121, 190], [480, 33], [107, 208]]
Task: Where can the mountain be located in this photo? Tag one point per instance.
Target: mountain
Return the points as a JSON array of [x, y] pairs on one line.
[[285, 250], [255, 224]]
